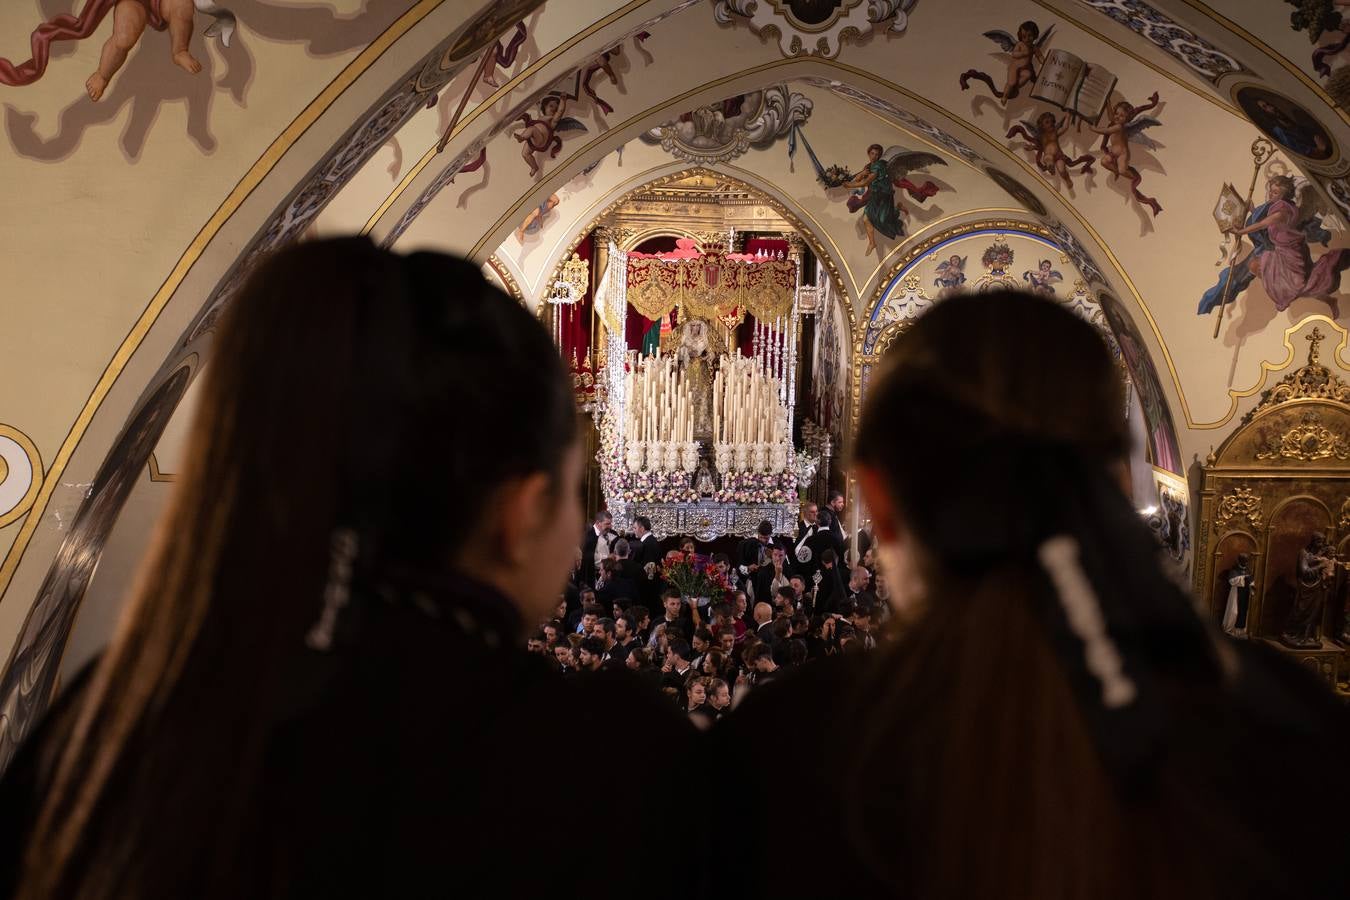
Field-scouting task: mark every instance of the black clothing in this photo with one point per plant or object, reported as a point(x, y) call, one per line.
point(648, 552)
point(762, 580)
point(617, 588)
point(1248, 760)
point(830, 522)
point(415, 762)
point(589, 540)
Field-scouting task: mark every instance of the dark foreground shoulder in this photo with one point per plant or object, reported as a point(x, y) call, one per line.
point(28, 776)
point(791, 748)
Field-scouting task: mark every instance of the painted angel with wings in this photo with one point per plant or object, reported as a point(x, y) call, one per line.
point(130, 19)
point(544, 135)
point(874, 194)
point(951, 274)
point(1123, 127)
point(1043, 278)
point(1281, 231)
point(1042, 139)
point(1023, 52)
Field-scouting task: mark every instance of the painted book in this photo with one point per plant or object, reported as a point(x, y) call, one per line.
point(1074, 85)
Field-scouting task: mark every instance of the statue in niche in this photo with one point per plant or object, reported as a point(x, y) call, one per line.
point(703, 481)
point(1239, 580)
point(696, 358)
point(1313, 572)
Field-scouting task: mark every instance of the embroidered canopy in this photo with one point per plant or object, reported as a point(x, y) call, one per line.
point(710, 285)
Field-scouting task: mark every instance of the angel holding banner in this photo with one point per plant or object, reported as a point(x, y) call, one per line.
point(875, 187)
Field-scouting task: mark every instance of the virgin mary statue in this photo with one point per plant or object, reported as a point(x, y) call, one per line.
point(696, 359)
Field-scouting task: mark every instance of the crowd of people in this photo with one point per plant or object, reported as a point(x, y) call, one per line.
point(338, 672)
point(789, 600)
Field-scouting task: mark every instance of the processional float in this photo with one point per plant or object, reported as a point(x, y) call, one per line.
point(697, 437)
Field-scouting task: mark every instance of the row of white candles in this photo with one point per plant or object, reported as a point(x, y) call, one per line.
point(658, 401)
point(746, 407)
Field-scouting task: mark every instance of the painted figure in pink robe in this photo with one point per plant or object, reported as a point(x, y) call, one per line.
point(1280, 232)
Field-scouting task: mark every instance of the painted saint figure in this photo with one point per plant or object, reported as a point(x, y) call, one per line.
point(1280, 232)
point(130, 17)
point(875, 189)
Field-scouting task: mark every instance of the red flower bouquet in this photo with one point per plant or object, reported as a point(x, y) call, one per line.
point(694, 576)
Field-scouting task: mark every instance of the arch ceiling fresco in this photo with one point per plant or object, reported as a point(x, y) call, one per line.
point(130, 218)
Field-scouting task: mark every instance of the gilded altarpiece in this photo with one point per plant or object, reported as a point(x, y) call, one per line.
point(1279, 483)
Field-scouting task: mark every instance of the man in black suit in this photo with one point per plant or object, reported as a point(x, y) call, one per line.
point(755, 552)
point(648, 558)
point(595, 546)
point(832, 520)
point(803, 551)
point(772, 575)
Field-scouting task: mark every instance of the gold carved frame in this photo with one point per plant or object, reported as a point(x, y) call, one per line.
point(1283, 474)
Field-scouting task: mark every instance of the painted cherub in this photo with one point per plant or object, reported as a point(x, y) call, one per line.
point(541, 135)
point(951, 274)
point(1043, 279)
point(1123, 127)
point(1042, 138)
point(1024, 52)
point(130, 17)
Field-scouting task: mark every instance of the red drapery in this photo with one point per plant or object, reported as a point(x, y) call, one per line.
point(774, 246)
point(637, 326)
point(576, 317)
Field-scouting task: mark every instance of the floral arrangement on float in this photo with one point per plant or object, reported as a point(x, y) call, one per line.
point(656, 487)
point(694, 576)
point(619, 482)
point(757, 487)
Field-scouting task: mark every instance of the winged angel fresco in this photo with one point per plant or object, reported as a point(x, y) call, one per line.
point(1024, 53)
point(130, 17)
point(1281, 231)
point(874, 188)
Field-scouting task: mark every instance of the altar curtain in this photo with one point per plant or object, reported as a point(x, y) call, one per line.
point(710, 284)
point(768, 245)
point(576, 317)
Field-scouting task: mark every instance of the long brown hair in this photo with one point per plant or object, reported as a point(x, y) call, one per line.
point(341, 391)
point(1013, 791)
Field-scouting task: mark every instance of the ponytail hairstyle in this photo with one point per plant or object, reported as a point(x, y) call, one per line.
point(341, 421)
point(1035, 682)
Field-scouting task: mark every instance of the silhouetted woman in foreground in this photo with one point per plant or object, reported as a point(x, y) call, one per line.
point(382, 486)
point(1055, 723)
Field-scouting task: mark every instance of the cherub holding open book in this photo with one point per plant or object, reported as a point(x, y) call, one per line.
point(1122, 127)
point(1042, 138)
point(1024, 52)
